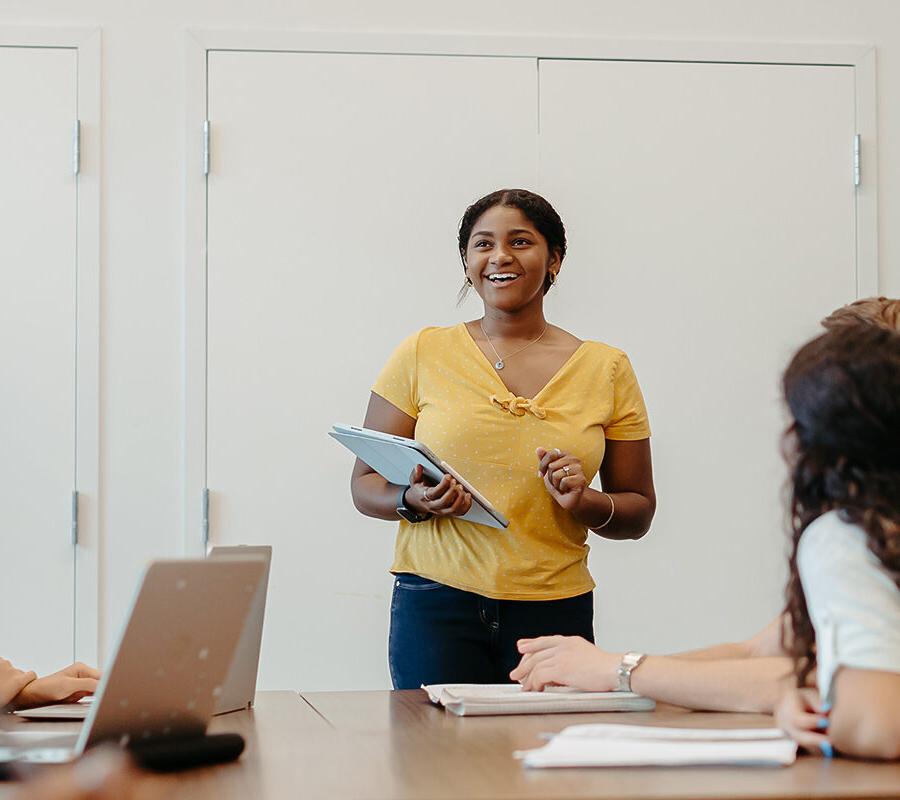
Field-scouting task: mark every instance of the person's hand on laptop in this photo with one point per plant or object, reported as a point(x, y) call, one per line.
point(12, 681)
point(68, 685)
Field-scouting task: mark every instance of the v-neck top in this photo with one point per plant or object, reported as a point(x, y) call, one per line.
point(466, 415)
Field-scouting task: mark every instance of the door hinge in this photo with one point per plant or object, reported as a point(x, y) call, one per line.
point(204, 524)
point(206, 147)
point(857, 169)
point(74, 517)
point(76, 147)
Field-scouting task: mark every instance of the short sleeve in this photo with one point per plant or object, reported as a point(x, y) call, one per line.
point(629, 416)
point(853, 602)
point(398, 381)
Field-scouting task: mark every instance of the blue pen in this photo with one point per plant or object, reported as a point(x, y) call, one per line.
point(827, 749)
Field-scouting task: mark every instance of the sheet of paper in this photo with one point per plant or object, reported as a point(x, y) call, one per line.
point(575, 751)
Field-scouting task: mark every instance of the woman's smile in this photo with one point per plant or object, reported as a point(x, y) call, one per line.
point(500, 280)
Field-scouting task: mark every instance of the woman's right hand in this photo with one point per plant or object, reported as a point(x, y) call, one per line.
point(802, 715)
point(447, 499)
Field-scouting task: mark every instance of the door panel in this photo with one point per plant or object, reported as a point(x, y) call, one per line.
point(37, 353)
point(710, 211)
point(336, 186)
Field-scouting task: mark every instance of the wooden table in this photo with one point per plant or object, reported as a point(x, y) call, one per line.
point(379, 745)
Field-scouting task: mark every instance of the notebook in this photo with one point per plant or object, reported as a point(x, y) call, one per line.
point(482, 699)
point(607, 745)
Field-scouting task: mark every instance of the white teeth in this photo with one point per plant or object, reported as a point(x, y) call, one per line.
point(502, 276)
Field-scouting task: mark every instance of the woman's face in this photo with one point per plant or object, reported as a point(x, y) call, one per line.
point(507, 259)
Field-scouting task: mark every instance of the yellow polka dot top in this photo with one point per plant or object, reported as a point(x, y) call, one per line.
point(466, 415)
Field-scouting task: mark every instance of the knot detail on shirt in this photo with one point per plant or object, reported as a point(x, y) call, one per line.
point(517, 406)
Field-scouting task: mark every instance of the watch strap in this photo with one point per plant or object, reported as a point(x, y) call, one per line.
point(407, 513)
point(630, 662)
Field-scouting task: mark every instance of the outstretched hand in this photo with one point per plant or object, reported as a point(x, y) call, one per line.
point(68, 685)
point(565, 661)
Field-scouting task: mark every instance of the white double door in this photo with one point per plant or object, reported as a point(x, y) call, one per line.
point(37, 355)
point(710, 213)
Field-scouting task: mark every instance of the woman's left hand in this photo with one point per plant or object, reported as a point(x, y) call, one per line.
point(565, 661)
point(563, 477)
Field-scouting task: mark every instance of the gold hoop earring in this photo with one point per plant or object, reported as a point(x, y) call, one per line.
point(553, 279)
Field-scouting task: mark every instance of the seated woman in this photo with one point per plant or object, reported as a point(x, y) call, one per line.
point(843, 391)
point(24, 689)
point(742, 676)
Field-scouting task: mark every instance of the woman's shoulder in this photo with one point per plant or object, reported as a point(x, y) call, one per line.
point(834, 550)
point(606, 356)
point(433, 334)
point(831, 533)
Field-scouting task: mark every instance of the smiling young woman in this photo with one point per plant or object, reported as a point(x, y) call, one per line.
point(529, 413)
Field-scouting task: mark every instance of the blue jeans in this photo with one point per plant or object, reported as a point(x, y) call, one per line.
point(444, 635)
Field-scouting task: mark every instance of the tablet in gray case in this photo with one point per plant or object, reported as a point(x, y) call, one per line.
point(395, 457)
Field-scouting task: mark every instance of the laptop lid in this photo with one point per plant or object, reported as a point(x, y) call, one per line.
point(169, 666)
point(239, 688)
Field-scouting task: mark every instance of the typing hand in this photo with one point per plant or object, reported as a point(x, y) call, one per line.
point(68, 685)
point(12, 681)
point(447, 499)
point(801, 714)
point(565, 661)
point(563, 476)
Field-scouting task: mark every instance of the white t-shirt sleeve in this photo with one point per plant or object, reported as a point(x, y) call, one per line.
point(853, 602)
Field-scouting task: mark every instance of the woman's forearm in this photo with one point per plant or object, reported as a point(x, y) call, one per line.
point(747, 685)
point(630, 520)
point(374, 496)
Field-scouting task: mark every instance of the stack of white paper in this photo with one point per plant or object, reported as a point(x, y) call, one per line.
point(471, 699)
point(635, 745)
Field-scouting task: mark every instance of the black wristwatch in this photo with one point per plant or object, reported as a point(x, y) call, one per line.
point(409, 514)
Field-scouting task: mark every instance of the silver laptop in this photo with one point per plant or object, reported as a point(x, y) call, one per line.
point(169, 666)
point(239, 688)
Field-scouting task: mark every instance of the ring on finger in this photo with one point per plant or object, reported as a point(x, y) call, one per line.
point(566, 470)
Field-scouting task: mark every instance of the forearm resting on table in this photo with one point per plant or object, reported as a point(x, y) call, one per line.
point(630, 520)
point(744, 685)
point(865, 719)
point(374, 496)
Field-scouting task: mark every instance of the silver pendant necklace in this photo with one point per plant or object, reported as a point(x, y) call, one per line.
point(499, 363)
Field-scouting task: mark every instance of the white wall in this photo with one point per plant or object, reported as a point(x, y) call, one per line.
point(142, 311)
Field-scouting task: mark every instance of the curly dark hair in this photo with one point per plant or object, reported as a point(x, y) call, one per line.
point(538, 211)
point(843, 449)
